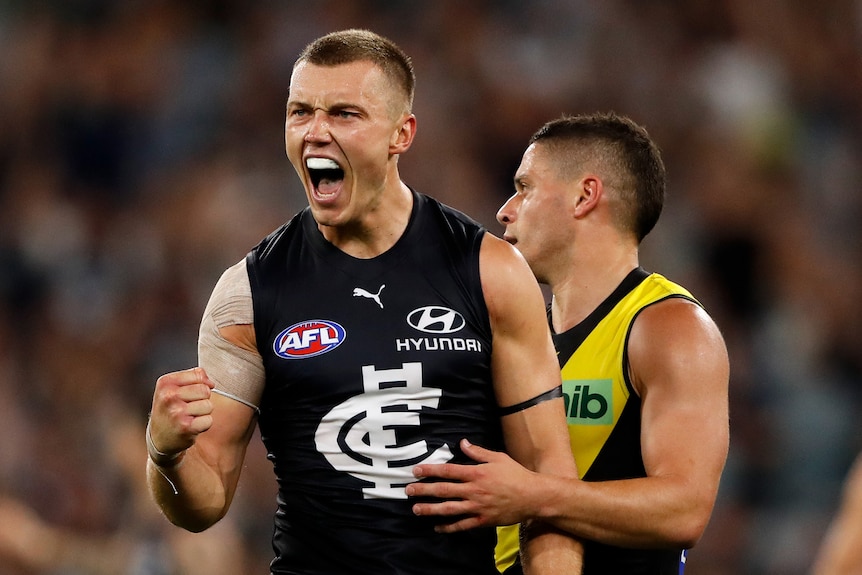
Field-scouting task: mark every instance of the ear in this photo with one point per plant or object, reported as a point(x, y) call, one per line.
point(589, 191)
point(402, 138)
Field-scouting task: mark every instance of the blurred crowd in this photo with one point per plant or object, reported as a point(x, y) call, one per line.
point(141, 153)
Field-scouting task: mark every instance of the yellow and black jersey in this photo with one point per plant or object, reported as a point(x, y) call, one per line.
point(604, 416)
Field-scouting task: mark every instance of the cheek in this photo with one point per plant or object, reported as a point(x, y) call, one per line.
point(292, 142)
point(535, 216)
point(295, 160)
point(538, 222)
point(369, 157)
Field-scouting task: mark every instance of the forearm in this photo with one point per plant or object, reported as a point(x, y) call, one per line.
point(648, 512)
point(191, 493)
point(546, 550)
point(195, 460)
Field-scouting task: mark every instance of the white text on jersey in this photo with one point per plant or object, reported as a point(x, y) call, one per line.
point(438, 344)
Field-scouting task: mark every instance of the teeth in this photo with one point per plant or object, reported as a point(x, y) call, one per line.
point(320, 164)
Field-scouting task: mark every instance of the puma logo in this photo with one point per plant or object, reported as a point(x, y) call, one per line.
point(359, 292)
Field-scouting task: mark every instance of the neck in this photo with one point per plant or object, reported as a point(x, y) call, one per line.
point(586, 285)
point(380, 228)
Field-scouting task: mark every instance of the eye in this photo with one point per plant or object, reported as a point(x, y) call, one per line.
point(345, 114)
point(296, 110)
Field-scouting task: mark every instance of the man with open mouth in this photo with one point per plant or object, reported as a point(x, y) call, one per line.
point(376, 330)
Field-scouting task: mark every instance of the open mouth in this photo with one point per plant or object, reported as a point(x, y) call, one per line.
point(325, 174)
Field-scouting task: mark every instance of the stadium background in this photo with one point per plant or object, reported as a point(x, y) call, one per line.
point(141, 153)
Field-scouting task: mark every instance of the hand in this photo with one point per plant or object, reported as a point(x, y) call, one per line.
point(181, 410)
point(495, 492)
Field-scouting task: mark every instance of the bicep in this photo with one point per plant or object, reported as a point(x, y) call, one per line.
point(524, 363)
point(228, 353)
point(239, 378)
point(222, 447)
point(679, 365)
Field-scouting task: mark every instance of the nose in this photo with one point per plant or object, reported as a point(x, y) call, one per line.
point(506, 213)
point(318, 128)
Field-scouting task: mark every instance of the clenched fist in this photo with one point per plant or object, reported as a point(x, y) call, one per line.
point(181, 410)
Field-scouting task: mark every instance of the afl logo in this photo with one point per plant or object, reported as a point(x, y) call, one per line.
point(308, 339)
point(435, 319)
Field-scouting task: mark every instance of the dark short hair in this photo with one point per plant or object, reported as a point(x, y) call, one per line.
point(625, 149)
point(354, 45)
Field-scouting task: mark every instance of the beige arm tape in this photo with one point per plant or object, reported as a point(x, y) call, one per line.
point(236, 372)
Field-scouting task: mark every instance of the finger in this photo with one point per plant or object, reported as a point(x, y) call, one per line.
point(196, 417)
point(477, 453)
point(453, 471)
point(180, 420)
point(187, 377)
point(438, 489)
point(199, 408)
point(443, 508)
point(462, 525)
point(201, 424)
point(194, 392)
point(183, 436)
point(202, 377)
point(193, 376)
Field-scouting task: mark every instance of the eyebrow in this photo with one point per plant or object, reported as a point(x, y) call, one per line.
point(337, 106)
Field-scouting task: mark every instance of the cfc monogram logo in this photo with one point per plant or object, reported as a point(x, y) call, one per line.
point(358, 436)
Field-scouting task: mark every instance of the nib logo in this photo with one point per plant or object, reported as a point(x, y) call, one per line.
point(589, 401)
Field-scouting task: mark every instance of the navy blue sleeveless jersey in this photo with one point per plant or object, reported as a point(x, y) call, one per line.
point(372, 366)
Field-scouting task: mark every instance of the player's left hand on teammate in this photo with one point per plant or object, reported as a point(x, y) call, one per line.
point(486, 494)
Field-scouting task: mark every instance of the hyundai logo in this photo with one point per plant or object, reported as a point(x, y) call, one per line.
point(435, 319)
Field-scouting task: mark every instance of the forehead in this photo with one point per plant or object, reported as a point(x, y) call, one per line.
point(359, 82)
point(535, 162)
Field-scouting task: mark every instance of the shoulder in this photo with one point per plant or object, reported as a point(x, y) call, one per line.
point(234, 280)
point(674, 319)
point(496, 251)
point(674, 336)
point(506, 277)
point(457, 222)
point(230, 301)
point(669, 312)
point(279, 237)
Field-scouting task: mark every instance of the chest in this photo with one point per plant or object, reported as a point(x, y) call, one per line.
point(332, 331)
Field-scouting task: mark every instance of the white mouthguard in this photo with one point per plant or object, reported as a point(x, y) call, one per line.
point(321, 164)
